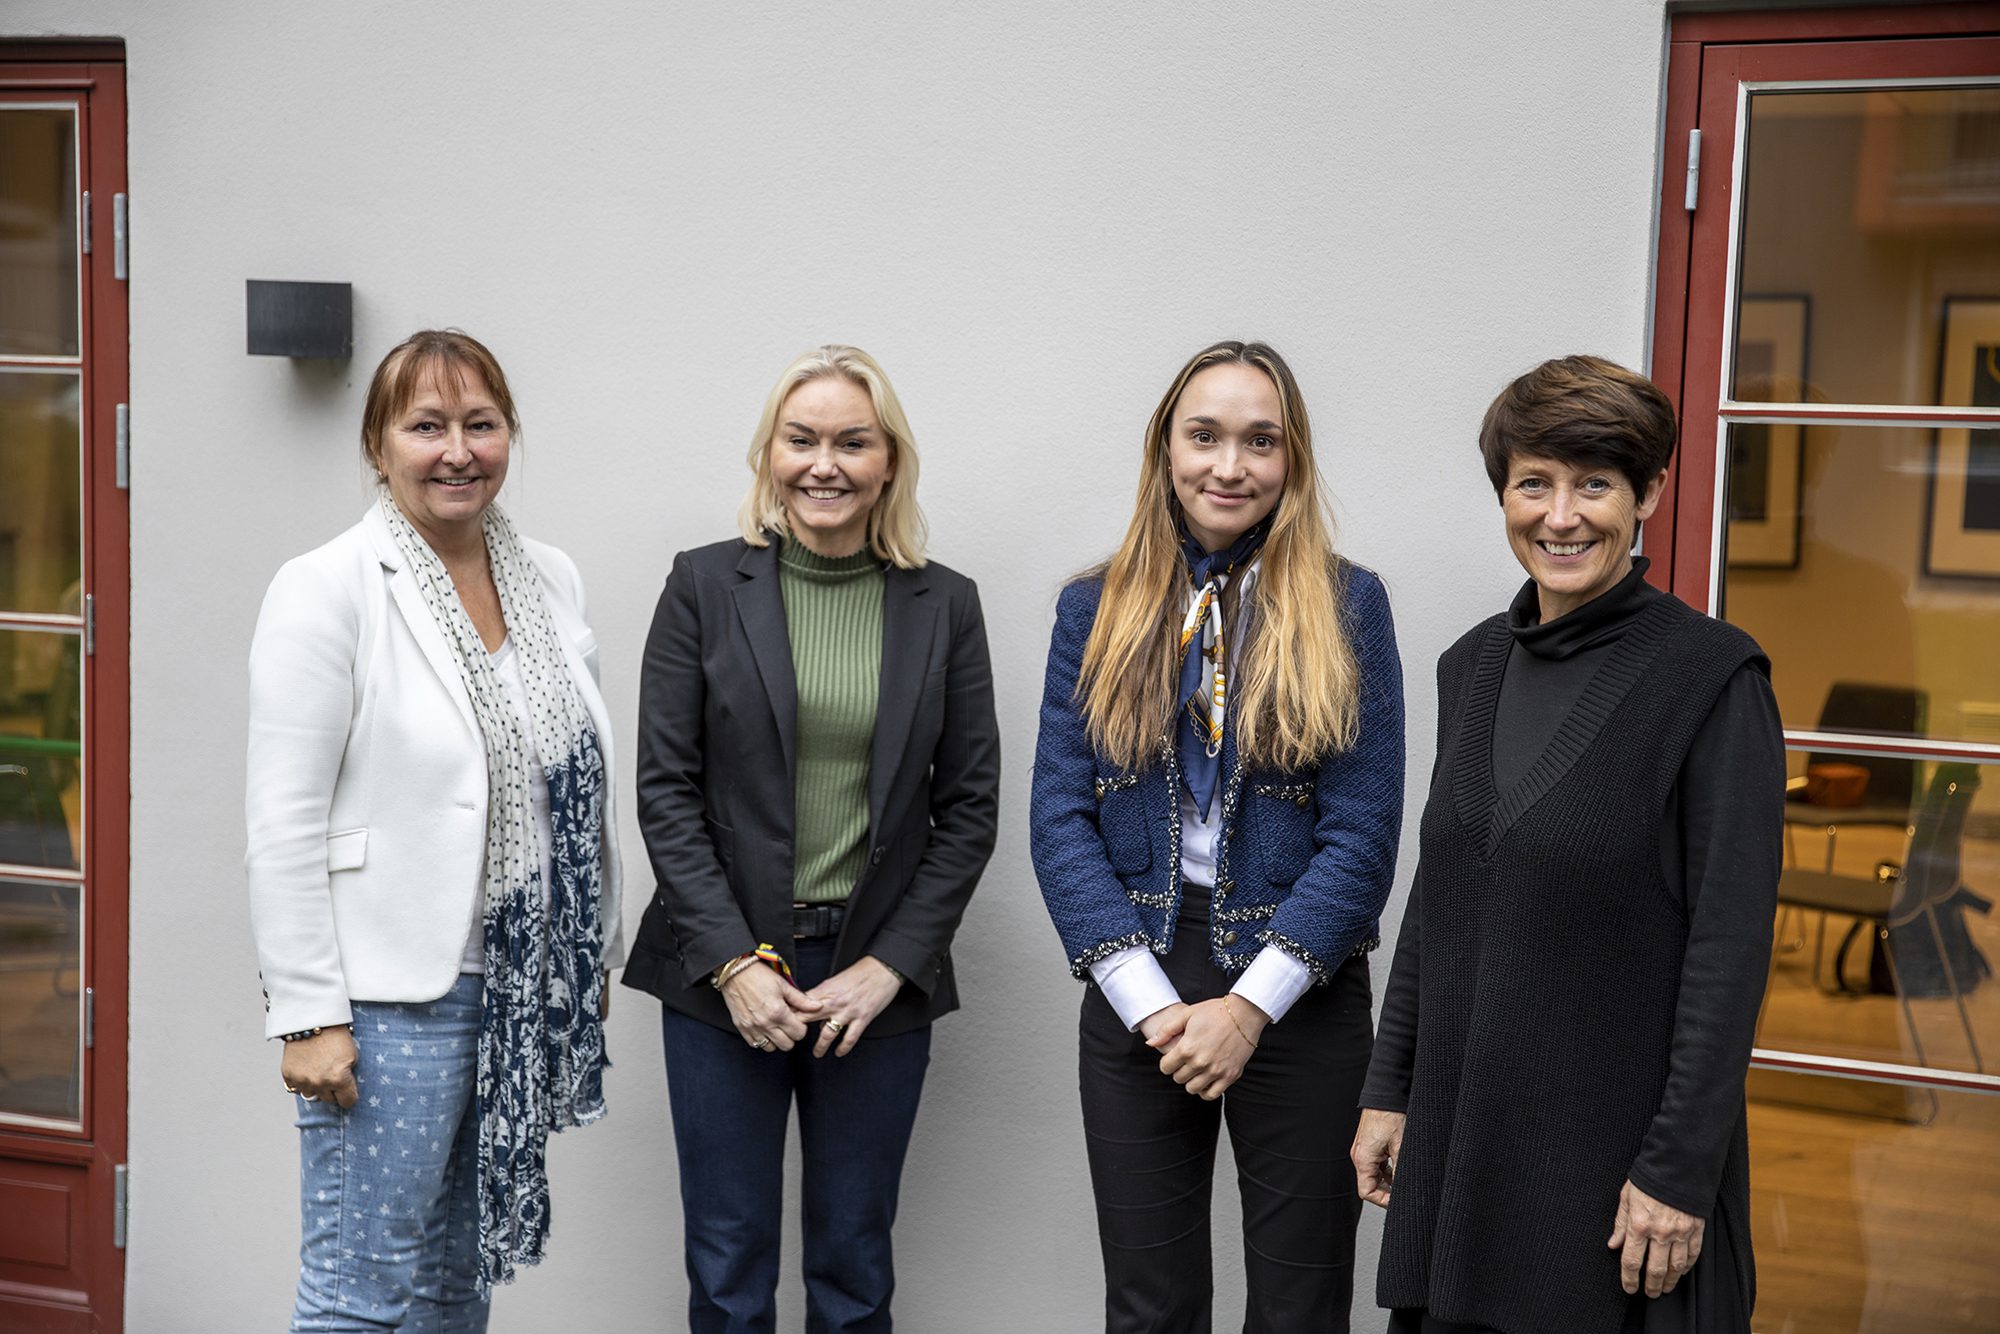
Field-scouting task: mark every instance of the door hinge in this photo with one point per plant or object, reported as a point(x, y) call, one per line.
point(1694, 168)
point(90, 1017)
point(121, 455)
point(89, 625)
point(120, 1196)
point(86, 222)
point(120, 268)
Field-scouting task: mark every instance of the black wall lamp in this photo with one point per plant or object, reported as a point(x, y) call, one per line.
point(301, 319)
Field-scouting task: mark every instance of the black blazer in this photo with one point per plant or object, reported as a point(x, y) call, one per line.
point(718, 722)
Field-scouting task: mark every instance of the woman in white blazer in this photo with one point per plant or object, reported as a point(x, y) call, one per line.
point(433, 869)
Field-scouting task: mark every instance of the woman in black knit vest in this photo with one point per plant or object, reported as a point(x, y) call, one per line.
point(1554, 1114)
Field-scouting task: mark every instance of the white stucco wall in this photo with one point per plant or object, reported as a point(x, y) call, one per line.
point(1031, 212)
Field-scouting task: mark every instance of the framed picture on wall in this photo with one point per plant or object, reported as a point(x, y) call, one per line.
point(1962, 522)
point(1766, 459)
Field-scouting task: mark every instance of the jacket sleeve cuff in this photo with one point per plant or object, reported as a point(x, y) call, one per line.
point(1273, 982)
point(915, 963)
point(704, 954)
point(1135, 984)
point(296, 1014)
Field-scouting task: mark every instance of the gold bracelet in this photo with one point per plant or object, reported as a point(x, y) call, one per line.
point(731, 969)
point(1232, 1021)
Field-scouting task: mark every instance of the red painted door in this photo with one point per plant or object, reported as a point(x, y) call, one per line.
point(1829, 323)
point(64, 672)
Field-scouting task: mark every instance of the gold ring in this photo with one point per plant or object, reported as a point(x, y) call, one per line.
point(763, 1044)
point(833, 1026)
point(290, 1089)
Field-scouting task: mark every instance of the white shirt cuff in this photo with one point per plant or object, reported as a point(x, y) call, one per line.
point(1135, 984)
point(1273, 981)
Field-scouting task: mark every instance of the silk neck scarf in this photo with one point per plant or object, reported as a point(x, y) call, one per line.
point(541, 1042)
point(1204, 680)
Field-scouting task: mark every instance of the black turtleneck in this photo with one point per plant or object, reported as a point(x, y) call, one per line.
point(1718, 832)
point(1550, 664)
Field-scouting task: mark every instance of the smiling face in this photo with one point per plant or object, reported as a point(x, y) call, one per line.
point(830, 459)
point(1572, 527)
point(1226, 452)
point(444, 457)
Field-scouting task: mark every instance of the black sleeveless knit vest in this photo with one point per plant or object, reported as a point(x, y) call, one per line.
point(1551, 962)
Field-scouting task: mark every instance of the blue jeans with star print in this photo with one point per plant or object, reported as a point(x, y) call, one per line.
point(388, 1189)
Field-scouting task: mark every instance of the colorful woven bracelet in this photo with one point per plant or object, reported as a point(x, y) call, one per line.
point(769, 954)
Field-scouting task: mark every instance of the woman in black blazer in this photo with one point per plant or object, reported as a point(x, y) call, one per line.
point(819, 767)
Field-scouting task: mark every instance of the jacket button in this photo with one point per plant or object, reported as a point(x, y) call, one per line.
point(875, 857)
point(1226, 885)
point(1305, 800)
point(1229, 937)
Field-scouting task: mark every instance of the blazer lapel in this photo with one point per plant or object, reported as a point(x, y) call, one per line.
point(417, 616)
point(909, 620)
point(761, 606)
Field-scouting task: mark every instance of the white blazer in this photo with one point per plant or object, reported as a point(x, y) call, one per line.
point(366, 795)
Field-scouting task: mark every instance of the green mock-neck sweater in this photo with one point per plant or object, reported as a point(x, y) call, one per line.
point(833, 611)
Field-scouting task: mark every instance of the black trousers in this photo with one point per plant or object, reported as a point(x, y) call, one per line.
point(1291, 1120)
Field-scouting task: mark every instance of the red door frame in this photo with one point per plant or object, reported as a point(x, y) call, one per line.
point(94, 72)
point(1708, 54)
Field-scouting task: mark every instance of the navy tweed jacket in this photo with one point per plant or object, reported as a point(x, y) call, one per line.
point(1305, 859)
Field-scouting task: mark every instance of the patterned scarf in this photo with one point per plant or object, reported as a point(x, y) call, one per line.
point(541, 1043)
point(1204, 684)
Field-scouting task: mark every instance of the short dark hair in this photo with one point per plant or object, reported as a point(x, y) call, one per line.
point(1581, 410)
point(447, 354)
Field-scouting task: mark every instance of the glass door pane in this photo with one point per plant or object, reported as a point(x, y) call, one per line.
point(1875, 1223)
point(41, 1006)
point(41, 504)
point(1828, 564)
point(41, 750)
point(39, 244)
point(1882, 205)
point(1887, 932)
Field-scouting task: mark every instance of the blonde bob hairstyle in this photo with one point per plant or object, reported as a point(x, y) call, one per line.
point(1295, 683)
point(896, 529)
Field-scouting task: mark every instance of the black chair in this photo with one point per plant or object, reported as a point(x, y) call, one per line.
point(1901, 900)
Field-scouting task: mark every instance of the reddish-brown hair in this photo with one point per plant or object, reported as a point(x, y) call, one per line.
point(447, 355)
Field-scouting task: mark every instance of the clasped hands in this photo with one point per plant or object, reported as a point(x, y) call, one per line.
point(1204, 1047)
point(771, 1012)
point(1657, 1243)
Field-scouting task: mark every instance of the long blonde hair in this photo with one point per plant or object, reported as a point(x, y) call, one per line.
point(1297, 686)
point(897, 532)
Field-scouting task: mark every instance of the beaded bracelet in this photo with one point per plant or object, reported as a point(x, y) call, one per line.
point(731, 969)
point(765, 953)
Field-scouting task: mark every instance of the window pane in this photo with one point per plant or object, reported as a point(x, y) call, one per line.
point(1871, 1223)
point(1835, 562)
point(38, 233)
point(1872, 210)
point(41, 731)
point(41, 1010)
point(41, 510)
point(1886, 931)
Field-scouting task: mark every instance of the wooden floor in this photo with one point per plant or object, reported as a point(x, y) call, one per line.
point(1875, 1210)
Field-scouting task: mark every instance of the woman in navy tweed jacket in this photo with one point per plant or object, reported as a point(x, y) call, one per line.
point(1217, 800)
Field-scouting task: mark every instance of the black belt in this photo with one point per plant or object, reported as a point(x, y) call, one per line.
point(816, 921)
